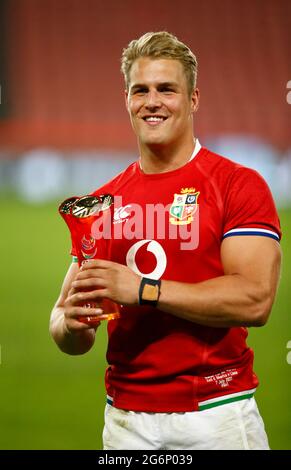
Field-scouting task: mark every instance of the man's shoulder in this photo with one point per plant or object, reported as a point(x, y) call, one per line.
point(118, 182)
point(213, 160)
point(219, 165)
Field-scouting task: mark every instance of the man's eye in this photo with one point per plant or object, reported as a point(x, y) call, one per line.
point(167, 90)
point(140, 91)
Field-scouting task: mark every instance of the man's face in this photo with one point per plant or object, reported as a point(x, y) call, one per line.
point(158, 102)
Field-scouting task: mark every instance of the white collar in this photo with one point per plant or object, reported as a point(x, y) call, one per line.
point(197, 147)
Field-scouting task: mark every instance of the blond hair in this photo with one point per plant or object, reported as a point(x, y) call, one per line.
point(160, 45)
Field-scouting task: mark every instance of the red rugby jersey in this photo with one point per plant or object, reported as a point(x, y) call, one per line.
point(159, 362)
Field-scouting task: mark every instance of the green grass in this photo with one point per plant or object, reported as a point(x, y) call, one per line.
point(53, 401)
point(270, 346)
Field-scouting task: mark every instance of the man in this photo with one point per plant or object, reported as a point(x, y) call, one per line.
point(180, 373)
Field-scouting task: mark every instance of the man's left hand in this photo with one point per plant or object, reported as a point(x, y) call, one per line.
point(101, 278)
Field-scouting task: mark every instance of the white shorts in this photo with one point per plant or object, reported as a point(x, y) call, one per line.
point(232, 426)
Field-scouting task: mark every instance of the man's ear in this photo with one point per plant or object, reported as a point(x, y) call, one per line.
point(195, 98)
point(126, 99)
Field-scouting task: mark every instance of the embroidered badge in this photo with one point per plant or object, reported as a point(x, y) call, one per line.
point(184, 206)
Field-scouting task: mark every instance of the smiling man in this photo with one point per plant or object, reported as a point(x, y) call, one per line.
point(161, 112)
point(180, 373)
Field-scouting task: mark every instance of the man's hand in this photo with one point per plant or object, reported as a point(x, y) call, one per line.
point(74, 308)
point(101, 278)
point(71, 336)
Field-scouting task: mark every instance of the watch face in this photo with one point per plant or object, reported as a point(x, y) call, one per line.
point(150, 293)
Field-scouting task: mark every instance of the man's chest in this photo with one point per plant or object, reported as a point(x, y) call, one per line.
point(167, 229)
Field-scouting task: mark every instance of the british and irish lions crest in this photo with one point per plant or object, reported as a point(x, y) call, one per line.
point(184, 206)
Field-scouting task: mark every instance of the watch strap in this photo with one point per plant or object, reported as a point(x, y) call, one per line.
point(149, 291)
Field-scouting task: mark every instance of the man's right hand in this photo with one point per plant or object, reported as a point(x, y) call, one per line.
point(77, 315)
point(71, 335)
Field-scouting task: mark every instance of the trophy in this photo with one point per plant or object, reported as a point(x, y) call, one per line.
point(81, 215)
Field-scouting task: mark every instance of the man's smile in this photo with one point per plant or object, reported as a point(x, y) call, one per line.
point(154, 119)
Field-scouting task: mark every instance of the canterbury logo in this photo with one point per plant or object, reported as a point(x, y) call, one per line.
point(121, 214)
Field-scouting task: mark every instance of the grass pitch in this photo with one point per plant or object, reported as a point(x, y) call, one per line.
point(53, 401)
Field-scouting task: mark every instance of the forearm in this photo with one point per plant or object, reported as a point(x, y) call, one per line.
point(70, 342)
point(224, 301)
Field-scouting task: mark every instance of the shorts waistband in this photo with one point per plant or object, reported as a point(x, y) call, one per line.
point(213, 402)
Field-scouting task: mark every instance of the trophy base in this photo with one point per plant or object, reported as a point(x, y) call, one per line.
point(111, 312)
point(94, 320)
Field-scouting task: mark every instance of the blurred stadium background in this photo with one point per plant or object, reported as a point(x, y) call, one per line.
point(64, 130)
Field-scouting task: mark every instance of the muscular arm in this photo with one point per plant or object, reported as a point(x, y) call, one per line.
point(71, 336)
point(242, 297)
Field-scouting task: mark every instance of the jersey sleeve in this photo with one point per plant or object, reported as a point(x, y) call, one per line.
point(249, 207)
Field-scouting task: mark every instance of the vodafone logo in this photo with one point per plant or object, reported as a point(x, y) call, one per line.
point(156, 249)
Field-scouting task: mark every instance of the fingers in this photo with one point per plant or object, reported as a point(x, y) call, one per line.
point(100, 273)
point(96, 272)
point(72, 291)
point(77, 324)
point(94, 264)
point(82, 297)
point(83, 305)
point(90, 279)
point(90, 283)
point(81, 318)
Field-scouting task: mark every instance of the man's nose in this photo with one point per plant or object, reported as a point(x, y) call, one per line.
point(153, 99)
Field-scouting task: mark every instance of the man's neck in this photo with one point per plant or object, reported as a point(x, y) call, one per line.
point(163, 159)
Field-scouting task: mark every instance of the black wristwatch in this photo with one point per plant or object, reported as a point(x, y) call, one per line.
point(149, 291)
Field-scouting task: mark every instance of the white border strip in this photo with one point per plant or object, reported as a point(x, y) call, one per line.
point(215, 400)
point(226, 397)
point(252, 230)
